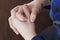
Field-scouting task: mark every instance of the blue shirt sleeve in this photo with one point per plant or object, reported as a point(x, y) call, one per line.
point(58, 30)
point(38, 37)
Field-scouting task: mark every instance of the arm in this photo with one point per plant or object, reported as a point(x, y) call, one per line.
point(44, 2)
point(28, 29)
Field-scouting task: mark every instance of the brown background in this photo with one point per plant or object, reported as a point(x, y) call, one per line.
point(43, 19)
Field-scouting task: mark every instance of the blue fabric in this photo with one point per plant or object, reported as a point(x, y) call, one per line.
point(55, 13)
point(37, 38)
point(58, 30)
point(55, 16)
point(55, 10)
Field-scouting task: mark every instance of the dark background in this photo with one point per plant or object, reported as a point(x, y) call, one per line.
point(43, 19)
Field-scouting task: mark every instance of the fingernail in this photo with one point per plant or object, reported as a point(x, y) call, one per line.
point(32, 19)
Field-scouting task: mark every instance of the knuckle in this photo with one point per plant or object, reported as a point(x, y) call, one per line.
point(12, 10)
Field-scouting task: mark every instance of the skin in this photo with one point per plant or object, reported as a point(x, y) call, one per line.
point(24, 25)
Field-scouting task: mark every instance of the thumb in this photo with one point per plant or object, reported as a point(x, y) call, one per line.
point(33, 17)
point(35, 10)
point(33, 14)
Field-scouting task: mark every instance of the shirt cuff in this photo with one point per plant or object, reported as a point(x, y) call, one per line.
point(37, 37)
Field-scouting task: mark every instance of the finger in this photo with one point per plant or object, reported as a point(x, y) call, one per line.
point(19, 14)
point(36, 9)
point(12, 27)
point(26, 11)
point(33, 15)
point(14, 11)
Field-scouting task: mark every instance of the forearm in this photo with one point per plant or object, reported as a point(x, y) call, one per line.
point(43, 2)
point(39, 3)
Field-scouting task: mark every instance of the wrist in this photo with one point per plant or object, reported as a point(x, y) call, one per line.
point(30, 36)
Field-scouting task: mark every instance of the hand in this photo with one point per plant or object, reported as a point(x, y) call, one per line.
point(25, 28)
point(33, 9)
